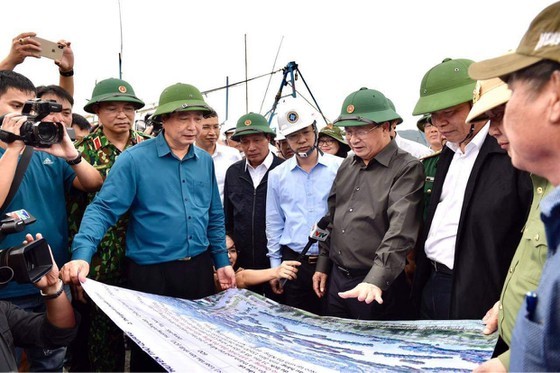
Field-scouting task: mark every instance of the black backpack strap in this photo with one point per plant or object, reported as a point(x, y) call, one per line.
point(18, 177)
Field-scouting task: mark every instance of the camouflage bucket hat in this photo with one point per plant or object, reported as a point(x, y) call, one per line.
point(181, 97)
point(113, 90)
point(445, 85)
point(250, 124)
point(334, 132)
point(363, 107)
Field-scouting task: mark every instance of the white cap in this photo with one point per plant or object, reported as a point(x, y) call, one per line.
point(294, 115)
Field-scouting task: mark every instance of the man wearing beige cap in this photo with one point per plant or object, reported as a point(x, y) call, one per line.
point(532, 124)
point(490, 98)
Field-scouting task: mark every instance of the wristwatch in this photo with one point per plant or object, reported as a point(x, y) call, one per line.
point(54, 295)
point(76, 160)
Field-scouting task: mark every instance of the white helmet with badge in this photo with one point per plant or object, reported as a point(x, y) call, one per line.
point(295, 115)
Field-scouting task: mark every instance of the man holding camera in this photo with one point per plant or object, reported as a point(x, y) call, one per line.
point(50, 173)
point(56, 327)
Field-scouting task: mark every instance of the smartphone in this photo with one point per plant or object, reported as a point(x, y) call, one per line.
point(49, 48)
point(22, 215)
point(71, 133)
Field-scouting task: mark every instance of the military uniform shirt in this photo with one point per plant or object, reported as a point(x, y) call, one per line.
point(430, 167)
point(97, 150)
point(526, 266)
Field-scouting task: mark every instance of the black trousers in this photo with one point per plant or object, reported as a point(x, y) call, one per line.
point(299, 292)
point(436, 296)
point(187, 279)
point(396, 300)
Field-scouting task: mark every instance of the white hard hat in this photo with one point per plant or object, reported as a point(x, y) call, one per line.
point(294, 115)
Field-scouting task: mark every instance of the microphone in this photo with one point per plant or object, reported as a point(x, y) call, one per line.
point(319, 232)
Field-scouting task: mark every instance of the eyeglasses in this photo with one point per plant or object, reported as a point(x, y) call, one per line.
point(326, 141)
point(496, 114)
point(358, 133)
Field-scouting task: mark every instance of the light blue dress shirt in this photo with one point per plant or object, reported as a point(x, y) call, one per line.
point(295, 201)
point(174, 205)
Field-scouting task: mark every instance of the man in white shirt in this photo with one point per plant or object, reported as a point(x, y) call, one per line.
point(223, 156)
point(477, 209)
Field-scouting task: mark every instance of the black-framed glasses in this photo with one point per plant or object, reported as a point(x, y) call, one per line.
point(326, 141)
point(358, 133)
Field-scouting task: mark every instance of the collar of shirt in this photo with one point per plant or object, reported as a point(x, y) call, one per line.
point(163, 148)
point(104, 141)
point(266, 163)
point(475, 143)
point(383, 157)
point(292, 162)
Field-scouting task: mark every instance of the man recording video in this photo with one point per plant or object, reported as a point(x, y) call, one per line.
point(56, 327)
point(51, 172)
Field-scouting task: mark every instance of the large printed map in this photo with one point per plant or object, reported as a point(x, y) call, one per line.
point(240, 331)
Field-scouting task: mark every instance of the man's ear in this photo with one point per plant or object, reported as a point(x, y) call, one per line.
point(555, 97)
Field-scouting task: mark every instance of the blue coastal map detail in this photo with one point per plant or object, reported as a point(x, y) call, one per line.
point(240, 331)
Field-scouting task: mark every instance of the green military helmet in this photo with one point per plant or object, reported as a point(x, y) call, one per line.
point(425, 119)
point(250, 124)
point(445, 85)
point(398, 117)
point(113, 90)
point(181, 97)
point(363, 107)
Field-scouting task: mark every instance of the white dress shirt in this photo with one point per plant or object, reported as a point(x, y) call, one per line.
point(224, 156)
point(414, 148)
point(257, 173)
point(440, 244)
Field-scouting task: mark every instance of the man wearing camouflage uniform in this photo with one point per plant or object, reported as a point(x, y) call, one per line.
point(115, 104)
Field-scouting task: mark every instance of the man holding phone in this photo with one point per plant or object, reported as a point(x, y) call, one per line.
point(27, 44)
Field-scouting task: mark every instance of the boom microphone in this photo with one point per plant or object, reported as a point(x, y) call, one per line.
point(318, 233)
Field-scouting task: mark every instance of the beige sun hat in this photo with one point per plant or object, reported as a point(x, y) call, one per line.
point(487, 95)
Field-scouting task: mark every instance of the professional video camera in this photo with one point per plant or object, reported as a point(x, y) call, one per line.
point(34, 132)
point(26, 263)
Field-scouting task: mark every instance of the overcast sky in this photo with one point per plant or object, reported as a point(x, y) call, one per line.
point(339, 46)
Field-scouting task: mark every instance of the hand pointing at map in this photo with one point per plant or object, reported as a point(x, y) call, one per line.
point(364, 292)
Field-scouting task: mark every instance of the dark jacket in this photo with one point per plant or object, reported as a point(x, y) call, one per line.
point(27, 329)
point(245, 213)
point(496, 204)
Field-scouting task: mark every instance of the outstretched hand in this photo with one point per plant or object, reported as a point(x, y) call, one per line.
point(364, 292)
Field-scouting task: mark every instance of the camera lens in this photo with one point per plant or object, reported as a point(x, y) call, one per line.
point(6, 273)
point(47, 132)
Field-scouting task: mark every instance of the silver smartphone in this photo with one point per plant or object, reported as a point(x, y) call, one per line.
point(49, 48)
